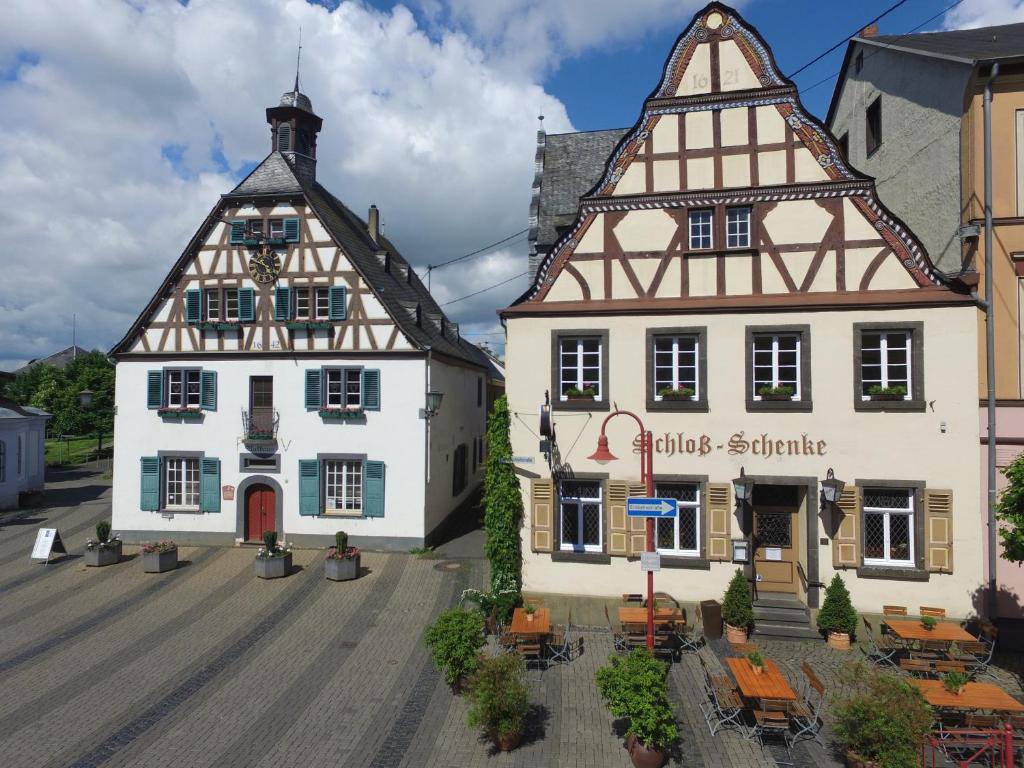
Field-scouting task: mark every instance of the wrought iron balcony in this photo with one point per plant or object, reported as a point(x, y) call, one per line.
point(259, 425)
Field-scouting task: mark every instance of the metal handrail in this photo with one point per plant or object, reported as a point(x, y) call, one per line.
point(260, 424)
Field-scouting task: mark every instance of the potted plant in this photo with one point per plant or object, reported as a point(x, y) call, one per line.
point(756, 662)
point(837, 619)
point(781, 392)
point(575, 393)
point(454, 640)
point(954, 682)
point(635, 687)
point(682, 393)
point(273, 561)
point(342, 562)
point(880, 718)
point(499, 699)
point(530, 610)
point(878, 392)
point(738, 608)
point(929, 622)
point(159, 556)
point(105, 550)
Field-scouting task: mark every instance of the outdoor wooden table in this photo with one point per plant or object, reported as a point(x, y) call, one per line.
point(769, 684)
point(633, 615)
point(975, 696)
point(541, 624)
point(945, 631)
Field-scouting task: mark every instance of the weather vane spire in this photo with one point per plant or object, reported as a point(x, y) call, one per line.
point(298, 60)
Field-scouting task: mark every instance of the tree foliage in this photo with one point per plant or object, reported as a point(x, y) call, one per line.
point(56, 391)
point(454, 640)
point(1010, 512)
point(503, 512)
point(837, 613)
point(499, 699)
point(636, 687)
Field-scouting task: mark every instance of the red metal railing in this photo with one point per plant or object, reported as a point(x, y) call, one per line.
point(964, 747)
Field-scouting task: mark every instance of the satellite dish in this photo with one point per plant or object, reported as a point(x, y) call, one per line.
point(545, 420)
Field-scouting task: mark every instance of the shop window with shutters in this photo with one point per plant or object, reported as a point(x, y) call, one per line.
point(888, 515)
point(679, 535)
point(343, 487)
point(181, 483)
point(581, 516)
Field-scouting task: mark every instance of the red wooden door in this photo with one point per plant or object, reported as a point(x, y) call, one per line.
point(260, 508)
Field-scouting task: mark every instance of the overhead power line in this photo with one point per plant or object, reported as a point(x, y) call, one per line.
point(484, 290)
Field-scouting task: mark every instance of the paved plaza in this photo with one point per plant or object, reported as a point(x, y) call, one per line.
point(209, 666)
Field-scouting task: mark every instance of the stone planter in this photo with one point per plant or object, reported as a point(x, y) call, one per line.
point(735, 634)
point(158, 562)
point(506, 742)
point(110, 554)
point(274, 567)
point(839, 641)
point(642, 756)
point(341, 570)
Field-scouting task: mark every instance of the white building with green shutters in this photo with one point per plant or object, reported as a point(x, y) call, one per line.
point(279, 377)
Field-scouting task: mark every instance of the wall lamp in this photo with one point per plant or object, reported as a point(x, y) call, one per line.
point(433, 405)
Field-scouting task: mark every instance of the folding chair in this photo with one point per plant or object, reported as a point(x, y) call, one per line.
point(532, 653)
point(932, 650)
point(892, 610)
point(806, 714)
point(945, 667)
point(880, 650)
point(618, 638)
point(630, 598)
point(560, 644)
point(725, 708)
point(938, 613)
point(663, 600)
point(691, 637)
point(772, 719)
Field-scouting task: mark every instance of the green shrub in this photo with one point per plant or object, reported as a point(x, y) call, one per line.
point(503, 515)
point(270, 541)
point(755, 658)
point(499, 699)
point(340, 541)
point(837, 613)
point(103, 531)
point(636, 687)
point(881, 717)
point(738, 603)
point(454, 640)
point(929, 622)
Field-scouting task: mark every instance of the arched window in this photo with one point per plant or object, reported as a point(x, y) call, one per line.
point(284, 137)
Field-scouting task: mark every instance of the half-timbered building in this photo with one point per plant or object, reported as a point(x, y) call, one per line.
point(286, 375)
point(720, 271)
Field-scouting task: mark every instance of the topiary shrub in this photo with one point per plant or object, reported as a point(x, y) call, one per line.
point(341, 541)
point(636, 687)
point(454, 640)
point(499, 699)
point(738, 603)
point(503, 514)
point(880, 717)
point(103, 531)
point(837, 613)
point(270, 541)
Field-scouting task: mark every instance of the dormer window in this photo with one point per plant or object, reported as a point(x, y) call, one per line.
point(284, 138)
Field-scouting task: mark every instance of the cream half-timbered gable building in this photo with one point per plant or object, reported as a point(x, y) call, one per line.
point(277, 380)
point(724, 274)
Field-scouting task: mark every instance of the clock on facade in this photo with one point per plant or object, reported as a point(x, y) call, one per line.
point(264, 265)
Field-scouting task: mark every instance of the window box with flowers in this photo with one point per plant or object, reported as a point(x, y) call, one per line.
point(879, 393)
point(273, 561)
point(180, 413)
point(159, 556)
point(342, 413)
point(780, 394)
point(575, 393)
point(105, 550)
point(682, 393)
point(342, 562)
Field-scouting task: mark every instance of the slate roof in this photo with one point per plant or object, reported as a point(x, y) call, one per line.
point(59, 359)
point(974, 45)
point(274, 176)
point(11, 410)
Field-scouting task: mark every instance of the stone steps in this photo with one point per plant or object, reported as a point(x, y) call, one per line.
point(779, 615)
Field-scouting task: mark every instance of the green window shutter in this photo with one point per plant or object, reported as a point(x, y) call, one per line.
point(314, 389)
point(154, 389)
point(150, 498)
point(373, 489)
point(193, 305)
point(337, 302)
point(209, 485)
point(291, 230)
point(309, 487)
point(282, 303)
point(237, 232)
point(246, 305)
point(208, 390)
point(370, 389)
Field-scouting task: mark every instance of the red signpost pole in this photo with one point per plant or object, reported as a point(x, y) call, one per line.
point(648, 460)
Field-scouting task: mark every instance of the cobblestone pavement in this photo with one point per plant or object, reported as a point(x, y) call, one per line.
point(209, 666)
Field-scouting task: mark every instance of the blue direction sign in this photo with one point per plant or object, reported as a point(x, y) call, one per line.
point(643, 507)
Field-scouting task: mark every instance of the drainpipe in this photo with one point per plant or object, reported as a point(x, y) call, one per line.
point(990, 361)
point(426, 447)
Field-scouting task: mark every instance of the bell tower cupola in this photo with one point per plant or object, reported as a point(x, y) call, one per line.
point(293, 131)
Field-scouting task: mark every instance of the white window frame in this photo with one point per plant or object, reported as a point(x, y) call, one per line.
point(185, 377)
point(737, 230)
point(755, 384)
point(343, 481)
point(579, 502)
point(887, 514)
point(695, 506)
point(181, 479)
point(212, 303)
point(276, 229)
point(322, 302)
point(883, 356)
point(579, 381)
point(701, 230)
point(231, 304)
point(302, 304)
point(675, 365)
point(255, 228)
point(349, 382)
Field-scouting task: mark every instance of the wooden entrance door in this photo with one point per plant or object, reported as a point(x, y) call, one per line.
point(260, 511)
point(778, 547)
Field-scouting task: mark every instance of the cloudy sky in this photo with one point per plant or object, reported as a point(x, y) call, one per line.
point(124, 120)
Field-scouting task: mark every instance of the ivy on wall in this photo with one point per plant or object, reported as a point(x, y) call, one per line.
point(503, 511)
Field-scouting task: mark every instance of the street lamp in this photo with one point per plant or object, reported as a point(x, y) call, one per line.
point(602, 455)
point(85, 400)
point(433, 405)
point(831, 488)
point(744, 487)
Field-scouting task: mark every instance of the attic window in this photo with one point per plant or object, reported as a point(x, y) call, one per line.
point(873, 126)
point(284, 137)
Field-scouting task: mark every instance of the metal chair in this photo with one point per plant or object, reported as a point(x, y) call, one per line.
point(806, 714)
point(880, 650)
point(772, 719)
point(618, 637)
point(532, 653)
point(691, 637)
point(938, 613)
point(560, 644)
point(725, 708)
point(975, 655)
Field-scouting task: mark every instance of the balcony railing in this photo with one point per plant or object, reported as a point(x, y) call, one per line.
point(260, 425)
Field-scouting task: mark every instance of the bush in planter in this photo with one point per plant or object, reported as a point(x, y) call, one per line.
point(159, 556)
point(783, 390)
point(577, 392)
point(837, 613)
point(342, 562)
point(738, 603)
point(499, 699)
point(756, 659)
point(272, 560)
point(929, 622)
point(880, 717)
point(636, 687)
point(454, 640)
point(955, 681)
point(103, 551)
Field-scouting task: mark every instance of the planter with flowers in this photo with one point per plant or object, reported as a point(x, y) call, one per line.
point(878, 392)
point(682, 393)
point(342, 413)
point(273, 561)
point(756, 662)
point(159, 556)
point(589, 392)
point(929, 622)
point(955, 682)
point(531, 611)
point(781, 393)
point(342, 563)
point(105, 550)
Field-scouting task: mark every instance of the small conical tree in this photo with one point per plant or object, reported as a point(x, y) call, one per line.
point(503, 515)
point(738, 603)
point(837, 613)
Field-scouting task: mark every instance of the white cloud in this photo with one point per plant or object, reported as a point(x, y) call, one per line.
point(984, 13)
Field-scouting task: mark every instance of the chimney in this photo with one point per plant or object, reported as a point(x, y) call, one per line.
point(373, 224)
point(871, 30)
